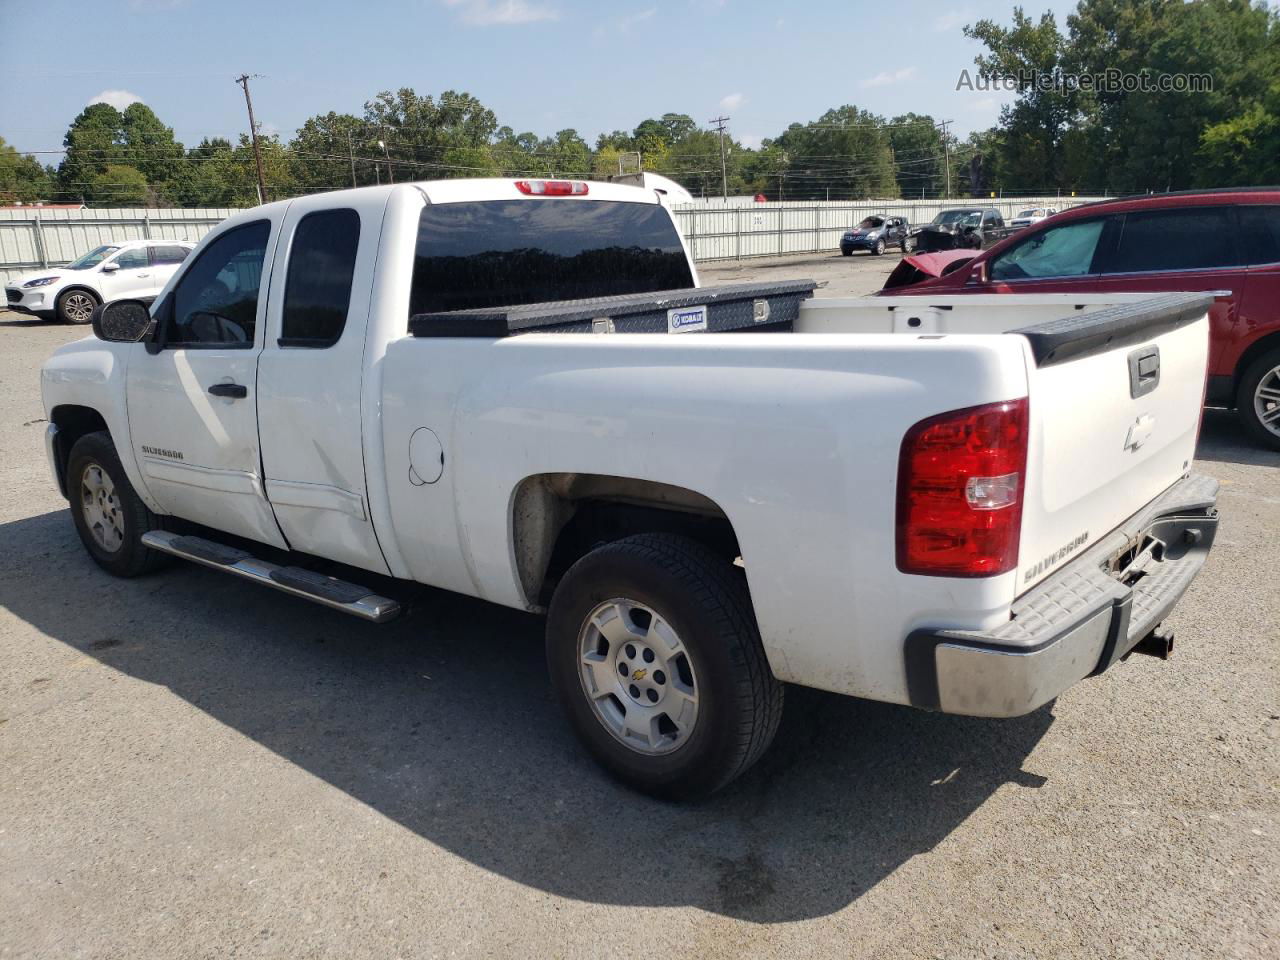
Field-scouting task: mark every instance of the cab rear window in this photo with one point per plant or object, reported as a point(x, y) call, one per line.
point(506, 252)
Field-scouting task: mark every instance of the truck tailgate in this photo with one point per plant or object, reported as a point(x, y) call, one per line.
point(1115, 406)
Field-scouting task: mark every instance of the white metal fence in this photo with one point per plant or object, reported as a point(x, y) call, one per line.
point(719, 231)
point(34, 237)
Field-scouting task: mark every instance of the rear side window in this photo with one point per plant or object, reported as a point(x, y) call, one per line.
point(216, 301)
point(1065, 251)
point(132, 259)
point(167, 254)
point(1260, 233)
point(507, 252)
point(1196, 238)
point(317, 291)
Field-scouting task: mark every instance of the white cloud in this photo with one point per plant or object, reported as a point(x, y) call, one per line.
point(488, 13)
point(886, 78)
point(732, 101)
point(117, 98)
point(750, 140)
point(985, 105)
point(949, 21)
point(627, 22)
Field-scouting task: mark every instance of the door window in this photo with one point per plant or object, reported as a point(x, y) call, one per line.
point(1065, 251)
point(216, 301)
point(317, 292)
point(132, 259)
point(1195, 238)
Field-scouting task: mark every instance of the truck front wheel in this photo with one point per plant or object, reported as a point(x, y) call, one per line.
point(654, 651)
point(108, 514)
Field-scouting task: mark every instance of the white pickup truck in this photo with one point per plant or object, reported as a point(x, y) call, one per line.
point(964, 504)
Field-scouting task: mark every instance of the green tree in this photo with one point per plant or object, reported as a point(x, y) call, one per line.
point(324, 150)
point(919, 155)
point(150, 147)
point(844, 154)
point(1034, 125)
point(93, 142)
point(22, 177)
point(118, 185)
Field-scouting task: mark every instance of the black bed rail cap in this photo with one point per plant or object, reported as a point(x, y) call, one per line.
point(1125, 324)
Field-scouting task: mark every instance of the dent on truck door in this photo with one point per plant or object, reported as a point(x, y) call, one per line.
point(192, 411)
point(310, 380)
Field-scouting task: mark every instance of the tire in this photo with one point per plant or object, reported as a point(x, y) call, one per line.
point(108, 514)
point(76, 306)
point(847, 251)
point(672, 597)
point(878, 248)
point(1258, 397)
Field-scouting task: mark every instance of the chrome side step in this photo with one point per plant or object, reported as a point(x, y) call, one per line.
point(329, 591)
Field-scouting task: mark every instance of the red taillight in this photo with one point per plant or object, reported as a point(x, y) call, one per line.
point(552, 188)
point(960, 482)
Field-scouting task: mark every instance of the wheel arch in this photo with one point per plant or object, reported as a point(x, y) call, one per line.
point(73, 422)
point(556, 518)
point(72, 288)
point(1265, 343)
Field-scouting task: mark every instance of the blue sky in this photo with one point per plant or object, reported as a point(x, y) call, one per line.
point(541, 65)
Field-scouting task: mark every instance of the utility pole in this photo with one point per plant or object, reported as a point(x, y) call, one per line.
point(351, 153)
point(946, 146)
point(386, 152)
point(719, 123)
point(243, 80)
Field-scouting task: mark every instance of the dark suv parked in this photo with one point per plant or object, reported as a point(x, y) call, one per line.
point(1219, 240)
point(964, 227)
point(875, 234)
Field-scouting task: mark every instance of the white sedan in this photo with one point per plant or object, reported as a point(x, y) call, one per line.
point(135, 269)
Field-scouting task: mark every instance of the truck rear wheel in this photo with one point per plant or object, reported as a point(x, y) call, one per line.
point(108, 514)
point(1258, 399)
point(654, 652)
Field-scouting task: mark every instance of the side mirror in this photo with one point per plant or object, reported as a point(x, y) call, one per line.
point(111, 267)
point(121, 321)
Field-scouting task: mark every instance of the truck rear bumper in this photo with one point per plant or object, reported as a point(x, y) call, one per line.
point(1079, 621)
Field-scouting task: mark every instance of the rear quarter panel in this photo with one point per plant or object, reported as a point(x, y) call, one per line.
point(796, 438)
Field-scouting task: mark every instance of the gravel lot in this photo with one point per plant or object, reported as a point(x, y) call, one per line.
point(190, 766)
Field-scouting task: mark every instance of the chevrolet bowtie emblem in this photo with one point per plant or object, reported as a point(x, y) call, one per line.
point(639, 674)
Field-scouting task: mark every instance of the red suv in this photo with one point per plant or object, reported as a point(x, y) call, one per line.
point(1226, 240)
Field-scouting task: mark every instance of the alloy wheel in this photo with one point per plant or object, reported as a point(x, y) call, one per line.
point(637, 676)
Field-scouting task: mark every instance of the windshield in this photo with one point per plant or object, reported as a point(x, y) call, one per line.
point(1028, 214)
point(505, 252)
point(92, 258)
point(871, 223)
point(958, 216)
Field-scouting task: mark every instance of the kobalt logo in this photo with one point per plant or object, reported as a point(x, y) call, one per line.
point(161, 452)
point(685, 319)
point(1058, 555)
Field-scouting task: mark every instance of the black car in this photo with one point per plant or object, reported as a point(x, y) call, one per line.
point(975, 228)
point(875, 233)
